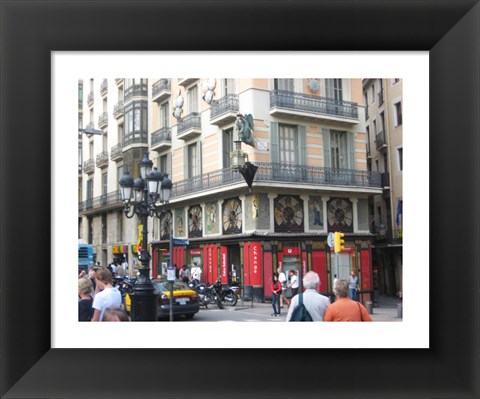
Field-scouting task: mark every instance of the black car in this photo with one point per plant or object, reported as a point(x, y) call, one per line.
point(185, 301)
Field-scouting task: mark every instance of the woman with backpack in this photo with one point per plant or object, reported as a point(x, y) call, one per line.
point(277, 291)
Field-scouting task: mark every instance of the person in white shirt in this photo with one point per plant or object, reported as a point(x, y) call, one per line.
point(108, 297)
point(315, 303)
point(283, 280)
point(196, 274)
point(293, 282)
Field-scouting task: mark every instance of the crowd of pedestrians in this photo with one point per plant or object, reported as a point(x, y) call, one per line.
point(98, 299)
point(344, 308)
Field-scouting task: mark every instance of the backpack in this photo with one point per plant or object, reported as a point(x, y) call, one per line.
point(300, 313)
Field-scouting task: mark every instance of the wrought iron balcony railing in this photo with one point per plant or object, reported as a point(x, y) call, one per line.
point(136, 137)
point(104, 87)
point(161, 135)
point(224, 106)
point(136, 90)
point(102, 159)
point(161, 89)
point(89, 166)
point(192, 121)
point(111, 199)
point(281, 173)
point(103, 120)
point(90, 98)
point(314, 105)
point(118, 110)
point(116, 152)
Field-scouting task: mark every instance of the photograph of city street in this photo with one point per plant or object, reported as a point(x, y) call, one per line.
point(235, 199)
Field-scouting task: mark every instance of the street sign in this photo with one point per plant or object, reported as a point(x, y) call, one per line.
point(171, 273)
point(331, 240)
point(177, 241)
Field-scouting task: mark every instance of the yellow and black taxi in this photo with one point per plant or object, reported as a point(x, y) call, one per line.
point(185, 301)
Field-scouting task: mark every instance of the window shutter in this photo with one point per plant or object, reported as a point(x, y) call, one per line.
point(327, 162)
point(350, 151)
point(274, 148)
point(302, 145)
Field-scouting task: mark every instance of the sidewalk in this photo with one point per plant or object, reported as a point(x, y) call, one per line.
point(385, 310)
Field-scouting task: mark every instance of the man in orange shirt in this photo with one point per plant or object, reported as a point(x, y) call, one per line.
point(344, 309)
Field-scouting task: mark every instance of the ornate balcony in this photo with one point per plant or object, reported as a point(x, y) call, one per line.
point(224, 110)
point(116, 152)
point(118, 110)
point(101, 203)
point(102, 159)
point(186, 81)
point(137, 90)
point(299, 105)
point(103, 120)
point(278, 173)
point(161, 90)
point(89, 166)
point(104, 87)
point(190, 126)
point(90, 99)
point(161, 139)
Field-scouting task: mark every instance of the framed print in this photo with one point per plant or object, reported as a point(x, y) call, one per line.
point(31, 32)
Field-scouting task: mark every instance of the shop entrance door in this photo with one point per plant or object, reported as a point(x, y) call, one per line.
point(290, 263)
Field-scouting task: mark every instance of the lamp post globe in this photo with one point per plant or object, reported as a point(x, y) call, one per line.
point(145, 166)
point(126, 185)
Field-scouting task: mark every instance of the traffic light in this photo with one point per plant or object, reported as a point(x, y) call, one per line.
point(339, 242)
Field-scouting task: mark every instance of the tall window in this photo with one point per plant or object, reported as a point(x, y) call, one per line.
point(382, 122)
point(164, 164)
point(283, 84)
point(228, 86)
point(334, 89)
point(119, 172)
point(398, 113)
point(192, 99)
point(227, 147)
point(104, 228)
point(192, 160)
point(164, 115)
point(105, 142)
point(193, 151)
point(400, 158)
point(90, 147)
point(135, 127)
point(104, 183)
point(338, 150)
point(120, 134)
point(288, 144)
point(373, 93)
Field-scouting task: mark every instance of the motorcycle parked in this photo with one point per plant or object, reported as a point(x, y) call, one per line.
point(227, 295)
point(206, 294)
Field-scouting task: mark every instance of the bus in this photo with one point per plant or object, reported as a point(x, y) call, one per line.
point(86, 257)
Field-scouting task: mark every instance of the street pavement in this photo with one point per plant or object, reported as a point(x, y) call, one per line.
point(385, 310)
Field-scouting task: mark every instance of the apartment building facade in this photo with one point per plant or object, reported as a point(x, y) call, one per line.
point(309, 144)
point(384, 124)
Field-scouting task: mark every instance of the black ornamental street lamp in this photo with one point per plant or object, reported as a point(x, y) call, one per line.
point(140, 197)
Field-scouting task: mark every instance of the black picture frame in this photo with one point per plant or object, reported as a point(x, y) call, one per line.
point(448, 30)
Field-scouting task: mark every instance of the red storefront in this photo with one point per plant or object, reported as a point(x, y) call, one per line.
point(253, 262)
